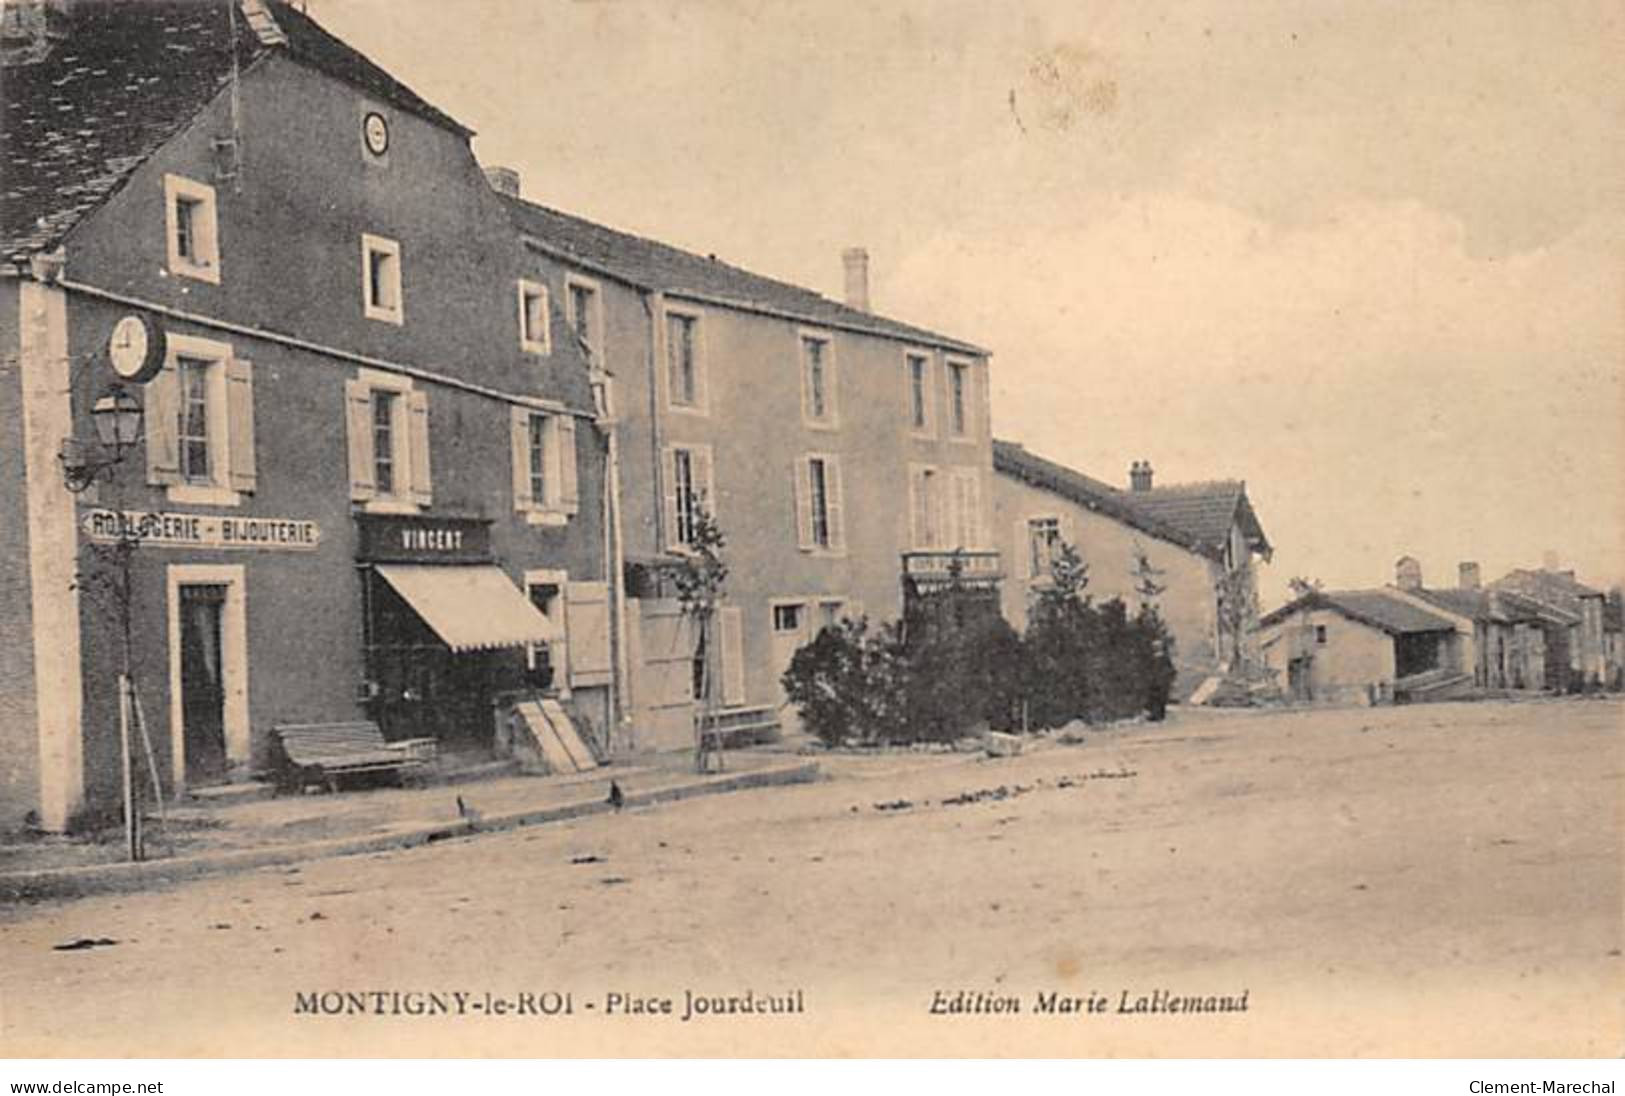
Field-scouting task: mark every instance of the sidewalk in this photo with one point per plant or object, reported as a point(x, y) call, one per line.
point(238, 837)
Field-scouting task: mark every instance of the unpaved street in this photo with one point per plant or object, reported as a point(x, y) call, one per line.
point(1431, 880)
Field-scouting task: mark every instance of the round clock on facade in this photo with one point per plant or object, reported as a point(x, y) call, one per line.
point(136, 348)
point(375, 131)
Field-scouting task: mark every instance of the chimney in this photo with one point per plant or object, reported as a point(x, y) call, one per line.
point(1408, 574)
point(1550, 561)
point(503, 180)
point(1469, 575)
point(1139, 475)
point(856, 261)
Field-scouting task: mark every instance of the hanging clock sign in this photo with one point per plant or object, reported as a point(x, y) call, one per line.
point(137, 348)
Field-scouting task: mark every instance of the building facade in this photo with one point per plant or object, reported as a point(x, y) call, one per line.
point(842, 454)
point(1187, 551)
point(369, 433)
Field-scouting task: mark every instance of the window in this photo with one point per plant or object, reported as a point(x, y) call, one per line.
point(534, 333)
point(830, 613)
point(958, 413)
point(964, 524)
point(381, 279)
point(688, 492)
point(685, 381)
point(1043, 534)
point(544, 466)
point(817, 380)
point(384, 439)
point(191, 223)
point(924, 507)
point(818, 504)
point(549, 663)
point(586, 316)
point(1320, 634)
point(200, 423)
point(787, 618)
point(387, 422)
point(919, 392)
point(192, 428)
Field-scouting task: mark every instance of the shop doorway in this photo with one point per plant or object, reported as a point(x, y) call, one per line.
point(208, 673)
point(203, 682)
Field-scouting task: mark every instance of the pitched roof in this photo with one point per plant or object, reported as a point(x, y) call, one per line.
point(119, 80)
point(650, 264)
point(1381, 609)
point(1480, 604)
point(1205, 511)
point(1015, 460)
point(1556, 588)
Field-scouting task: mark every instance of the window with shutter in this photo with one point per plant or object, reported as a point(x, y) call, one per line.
point(387, 423)
point(199, 419)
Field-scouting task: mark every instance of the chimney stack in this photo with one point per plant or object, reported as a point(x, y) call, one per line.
point(1469, 575)
point(503, 180)
point(1139, 475)
point(856, 261)
point(1408, 573)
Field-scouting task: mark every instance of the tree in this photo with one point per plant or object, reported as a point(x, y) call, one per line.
point(1237, 611)
point(700, 582)
point(1147, 584)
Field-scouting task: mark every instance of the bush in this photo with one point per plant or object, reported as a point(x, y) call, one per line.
point(893, 684)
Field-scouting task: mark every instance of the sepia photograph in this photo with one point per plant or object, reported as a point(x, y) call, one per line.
point(633, 529)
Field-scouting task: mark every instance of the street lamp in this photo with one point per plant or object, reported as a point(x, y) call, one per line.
point(117, 416)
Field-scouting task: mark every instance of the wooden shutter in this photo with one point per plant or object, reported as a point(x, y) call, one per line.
point(519, 446)
point(801, 483)
point(161, 418)
point(731, 624)
point(588, 626)
point(700, 464)
point(948, 523)
point(918, 519)
point(668, 508)
point(971, 508)
point(835, 510)
point(569, 490)
point(241, 467)
point(422, 488)
point(358, 423)
point(1021, 549)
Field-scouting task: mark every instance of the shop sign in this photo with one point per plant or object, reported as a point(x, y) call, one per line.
point(172, 530)
point(402, 538)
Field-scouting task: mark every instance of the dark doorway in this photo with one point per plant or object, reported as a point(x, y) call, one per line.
point(1417, 653)
point(203, 685)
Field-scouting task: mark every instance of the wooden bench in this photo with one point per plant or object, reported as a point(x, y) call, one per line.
point(320, 753)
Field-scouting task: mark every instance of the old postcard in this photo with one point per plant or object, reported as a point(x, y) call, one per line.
point(674, 528)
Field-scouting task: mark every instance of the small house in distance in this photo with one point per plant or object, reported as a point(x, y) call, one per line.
point(1183, 539)
point(1354, 646)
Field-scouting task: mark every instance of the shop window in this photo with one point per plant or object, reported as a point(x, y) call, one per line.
point(200, 423)
point(192, 229)
point(381, 279)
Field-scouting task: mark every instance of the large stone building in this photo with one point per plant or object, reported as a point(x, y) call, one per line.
point(368, 431)
point(843, 454)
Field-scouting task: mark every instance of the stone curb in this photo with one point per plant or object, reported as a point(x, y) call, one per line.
point(96, 878)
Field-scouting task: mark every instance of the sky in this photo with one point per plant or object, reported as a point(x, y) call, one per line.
point(1368, 257)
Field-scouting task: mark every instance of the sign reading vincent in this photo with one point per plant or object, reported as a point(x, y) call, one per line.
point(171, 530)
point(413, 538)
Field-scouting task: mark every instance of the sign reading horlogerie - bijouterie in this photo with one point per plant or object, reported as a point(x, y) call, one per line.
point(171, 530)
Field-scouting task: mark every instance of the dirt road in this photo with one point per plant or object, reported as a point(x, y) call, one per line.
point(1413, 881)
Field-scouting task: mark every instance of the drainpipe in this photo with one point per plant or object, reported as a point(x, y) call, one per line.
point(615, 558)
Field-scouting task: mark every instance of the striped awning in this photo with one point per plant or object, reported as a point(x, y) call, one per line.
point(471, 608)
